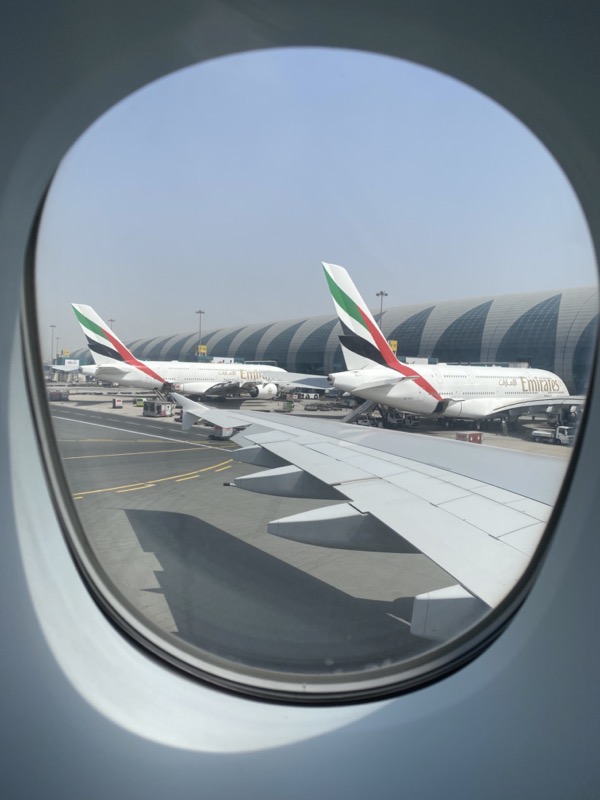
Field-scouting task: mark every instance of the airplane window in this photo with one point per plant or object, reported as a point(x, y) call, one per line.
point(243, 503)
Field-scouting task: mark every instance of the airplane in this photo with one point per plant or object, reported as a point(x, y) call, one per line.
point(88, 710)
point(114, 362)
point(479, 522)
point(442, 390)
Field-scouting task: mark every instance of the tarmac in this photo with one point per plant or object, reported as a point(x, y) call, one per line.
point(193, 556)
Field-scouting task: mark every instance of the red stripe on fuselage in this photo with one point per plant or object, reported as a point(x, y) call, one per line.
point(130, 359)
point(393, 363)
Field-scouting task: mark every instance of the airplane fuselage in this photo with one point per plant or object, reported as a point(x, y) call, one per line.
point(451, 391)
point(188, 377)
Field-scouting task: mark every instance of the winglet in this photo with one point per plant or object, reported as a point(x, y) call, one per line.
point(193, 411)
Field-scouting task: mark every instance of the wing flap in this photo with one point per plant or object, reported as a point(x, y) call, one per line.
point(320, 466)
point(289, 481)
point(340, 526)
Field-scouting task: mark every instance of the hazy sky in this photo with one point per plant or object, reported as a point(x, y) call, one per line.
point(223, 187)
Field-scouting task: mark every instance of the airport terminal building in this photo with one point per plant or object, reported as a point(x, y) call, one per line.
point(554, 330)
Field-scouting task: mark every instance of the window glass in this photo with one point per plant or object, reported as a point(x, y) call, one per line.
point(345, 540)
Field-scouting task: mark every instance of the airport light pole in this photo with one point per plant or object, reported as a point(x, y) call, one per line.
point(199, 312)
point(111, 323)
point(381, 295)
point(52, 327)
point(57, 341)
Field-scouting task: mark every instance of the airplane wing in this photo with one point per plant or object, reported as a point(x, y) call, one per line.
point(477, 511)
point(300, 380)
point(219, 389)
point(204, 388)
point(65, 367)
point(110, 373)
point(571, 402)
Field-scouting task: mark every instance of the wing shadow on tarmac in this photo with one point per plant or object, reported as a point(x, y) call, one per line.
point(236, 601)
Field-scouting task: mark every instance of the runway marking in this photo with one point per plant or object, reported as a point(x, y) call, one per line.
point(135, 488)
point(222, 468)
point(98, 439)
point(138, 433)
point(141, 453)
point(148, 484)
point(95, 439)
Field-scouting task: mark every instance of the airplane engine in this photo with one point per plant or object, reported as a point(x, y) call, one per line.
point(264, 390)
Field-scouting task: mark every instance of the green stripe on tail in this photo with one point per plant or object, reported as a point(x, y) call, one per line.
point(343, 301)
point(87, 323)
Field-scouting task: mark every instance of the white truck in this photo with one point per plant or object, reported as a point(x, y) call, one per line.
point(561, 434)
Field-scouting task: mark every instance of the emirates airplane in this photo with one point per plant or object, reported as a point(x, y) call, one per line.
point(447, 390)
point(116, 363)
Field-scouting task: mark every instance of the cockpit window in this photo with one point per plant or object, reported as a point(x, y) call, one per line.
point(253, 503)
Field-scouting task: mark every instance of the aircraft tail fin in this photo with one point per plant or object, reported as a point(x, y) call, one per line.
point(105, 346)
point(363, 343)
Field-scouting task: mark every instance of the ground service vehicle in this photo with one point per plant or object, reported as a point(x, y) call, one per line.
point(561, 434)
point(393, 418)
point(88, 713)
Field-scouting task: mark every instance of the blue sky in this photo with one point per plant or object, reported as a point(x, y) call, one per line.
point(224, 186)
